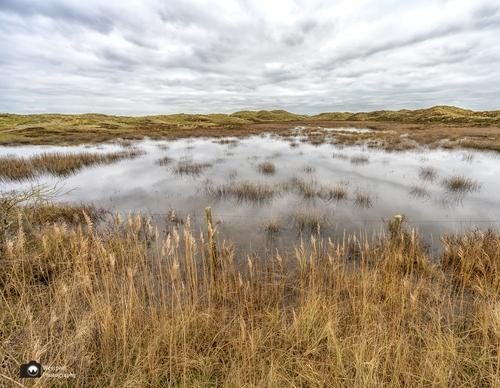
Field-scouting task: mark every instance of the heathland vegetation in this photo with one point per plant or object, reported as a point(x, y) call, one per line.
point(128, 305)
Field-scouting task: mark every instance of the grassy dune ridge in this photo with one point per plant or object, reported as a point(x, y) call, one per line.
point(62, 128)
point(124, 306)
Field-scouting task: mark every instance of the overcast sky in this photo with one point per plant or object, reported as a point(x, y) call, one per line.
point(307, 56)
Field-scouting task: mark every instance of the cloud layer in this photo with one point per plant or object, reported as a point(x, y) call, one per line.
point(307, 56)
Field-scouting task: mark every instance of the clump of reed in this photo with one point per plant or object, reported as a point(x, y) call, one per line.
point(418, 191)
point(309, 169)
point(243, 191)
point(338, 155)
point(124, 305)
point(336, 193)
point(308, 221)
point(190, 167)
point(60, 164)
point(427, 173)
point(164, 161)
point(459, 184)
point(307, 190)
point(266, 168)
point(359, 160)
point(271, 228)
point(363, 199)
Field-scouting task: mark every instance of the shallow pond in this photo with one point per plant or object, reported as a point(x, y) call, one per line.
point(341, 189)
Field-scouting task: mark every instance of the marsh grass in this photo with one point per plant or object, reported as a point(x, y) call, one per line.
point(427, 173)
point(271, 228)
point(123, 306)
point(359, 160)
point(336, 193)
point(338, 155)
point(190, 167)
point(164, 161)
point(243, 191)
point(308, 190)
point(59, 164)
point(363, 199)
point(266, 168)
point(309, 169)
point(306, 221)
point(459, 184)
point(419, 192)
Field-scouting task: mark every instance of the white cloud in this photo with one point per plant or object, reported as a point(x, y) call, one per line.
point(141, 57)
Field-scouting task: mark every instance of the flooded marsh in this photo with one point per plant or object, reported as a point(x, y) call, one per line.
point(305, 189)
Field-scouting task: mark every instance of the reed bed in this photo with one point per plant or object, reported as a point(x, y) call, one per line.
point(59, 164)
point(125, 306)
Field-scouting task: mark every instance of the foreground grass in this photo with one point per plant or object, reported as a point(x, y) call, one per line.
point(60, 164)
point(123, 306)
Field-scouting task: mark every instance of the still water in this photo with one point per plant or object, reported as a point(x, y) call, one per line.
point(392, 180)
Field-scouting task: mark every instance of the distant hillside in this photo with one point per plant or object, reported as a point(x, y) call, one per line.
point(443, 114)
point(268, 115)
point(436, 114)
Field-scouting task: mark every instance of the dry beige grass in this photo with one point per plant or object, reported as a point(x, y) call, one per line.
point(122, 306)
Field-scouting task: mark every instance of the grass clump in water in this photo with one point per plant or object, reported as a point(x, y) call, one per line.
point(359, 160)
point(427, 173)
point(459, 184)
point(164, 161)
point(243, 191)
point(307, 190)
point(419, 192)
point(336, 193)
point(60, 164)
point(308, 221)
point(190, 167)
point(363, 199)
point(267, 168)
point(272, 228)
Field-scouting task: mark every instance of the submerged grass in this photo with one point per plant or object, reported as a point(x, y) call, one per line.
point(124, 306)
point(60, 164)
